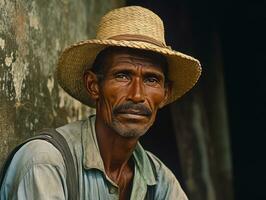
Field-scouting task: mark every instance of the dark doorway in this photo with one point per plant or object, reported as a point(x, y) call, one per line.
point(241, 27)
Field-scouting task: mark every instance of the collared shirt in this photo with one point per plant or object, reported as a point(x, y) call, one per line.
point(37, 171)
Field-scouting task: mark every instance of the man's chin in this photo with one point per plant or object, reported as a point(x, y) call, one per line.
point(130, 130)
point(131, 134)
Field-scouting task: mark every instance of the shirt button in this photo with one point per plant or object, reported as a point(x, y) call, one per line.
point(112, 190)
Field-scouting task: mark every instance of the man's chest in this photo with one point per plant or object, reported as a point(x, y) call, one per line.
point(94, 184)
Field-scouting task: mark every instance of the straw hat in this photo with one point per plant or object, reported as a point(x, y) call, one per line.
point(133, 27)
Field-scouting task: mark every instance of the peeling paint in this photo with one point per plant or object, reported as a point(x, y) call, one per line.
point(50, 84)
point(9, 60)
point(18, 23)
point(19, 72)
point(34, 21)
point(57, 45)
point(76, 111)
point(2, 43)
point(66, 102)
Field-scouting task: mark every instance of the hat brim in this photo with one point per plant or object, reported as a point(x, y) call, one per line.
point(184, 71)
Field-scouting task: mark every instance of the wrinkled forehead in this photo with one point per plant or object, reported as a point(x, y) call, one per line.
point(134, 56)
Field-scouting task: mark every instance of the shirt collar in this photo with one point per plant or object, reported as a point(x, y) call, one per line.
point(92, 158)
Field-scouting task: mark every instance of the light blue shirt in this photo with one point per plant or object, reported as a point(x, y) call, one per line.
point(38, 172)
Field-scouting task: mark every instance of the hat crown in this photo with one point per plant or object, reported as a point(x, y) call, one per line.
point(132, 21)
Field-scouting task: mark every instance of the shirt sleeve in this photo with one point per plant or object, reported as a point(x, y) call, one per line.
point(37, 171)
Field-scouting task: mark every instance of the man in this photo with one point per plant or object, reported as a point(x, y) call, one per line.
point(127, 73)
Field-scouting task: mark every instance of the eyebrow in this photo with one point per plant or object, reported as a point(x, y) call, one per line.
point(159, 74)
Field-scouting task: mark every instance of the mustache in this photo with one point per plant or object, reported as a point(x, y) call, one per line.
point(127, 107)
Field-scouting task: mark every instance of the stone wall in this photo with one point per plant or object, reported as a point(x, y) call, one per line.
point(32, 34)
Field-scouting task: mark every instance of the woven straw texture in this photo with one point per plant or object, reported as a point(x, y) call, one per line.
point(133, 27)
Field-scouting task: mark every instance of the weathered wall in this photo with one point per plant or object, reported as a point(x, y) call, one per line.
point(32, 34)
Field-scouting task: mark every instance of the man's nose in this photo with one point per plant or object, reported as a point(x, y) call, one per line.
point(136, 91)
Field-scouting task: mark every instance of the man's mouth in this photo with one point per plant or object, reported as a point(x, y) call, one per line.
point(132, 116)
point(133, 112)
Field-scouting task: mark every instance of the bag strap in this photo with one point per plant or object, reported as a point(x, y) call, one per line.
point(56, 139)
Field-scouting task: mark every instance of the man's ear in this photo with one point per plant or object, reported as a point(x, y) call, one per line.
point(167, 94)
point(91, 84)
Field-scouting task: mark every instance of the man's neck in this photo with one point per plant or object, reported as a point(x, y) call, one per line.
point(115, 150)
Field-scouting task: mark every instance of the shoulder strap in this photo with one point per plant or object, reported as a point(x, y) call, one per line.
point(55, 138)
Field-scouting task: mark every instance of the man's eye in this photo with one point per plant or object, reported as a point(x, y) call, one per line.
point(152, 81)
point(121, 77)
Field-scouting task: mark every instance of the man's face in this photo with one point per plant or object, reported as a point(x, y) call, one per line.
point(131, 92)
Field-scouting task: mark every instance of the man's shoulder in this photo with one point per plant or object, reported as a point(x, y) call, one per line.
point(42, 152)
point(36, 153)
